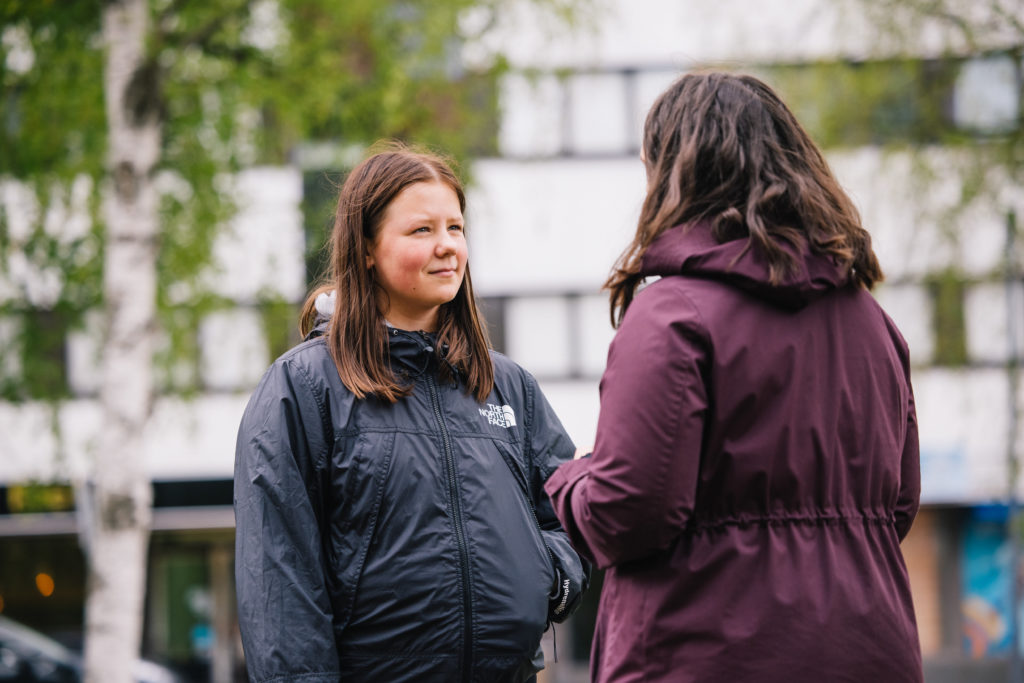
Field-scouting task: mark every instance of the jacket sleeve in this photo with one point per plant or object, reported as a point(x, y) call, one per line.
point(635, 494)
point(549, 446)
point(284, 610)
point(910, 476)
point(910, 469)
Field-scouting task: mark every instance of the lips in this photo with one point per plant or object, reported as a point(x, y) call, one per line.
point(444, 272)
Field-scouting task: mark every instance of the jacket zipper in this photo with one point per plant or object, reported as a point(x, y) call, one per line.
point(460, 534)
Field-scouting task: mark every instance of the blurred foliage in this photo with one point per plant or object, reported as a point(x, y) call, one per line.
point(921, 48)
point(280, 326)
point(959, 26)
point(882, 102)
point(950, 33)
point(319, 197)
point(947, 291)
point(40, 497)
point(238, 83)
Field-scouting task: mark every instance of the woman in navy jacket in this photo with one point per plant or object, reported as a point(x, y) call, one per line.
point(756, 463)
point(391, 520)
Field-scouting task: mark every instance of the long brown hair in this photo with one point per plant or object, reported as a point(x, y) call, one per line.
point(357, 335)
point(725, 149)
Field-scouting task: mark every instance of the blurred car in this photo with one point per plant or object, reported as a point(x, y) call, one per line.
point(27, 656)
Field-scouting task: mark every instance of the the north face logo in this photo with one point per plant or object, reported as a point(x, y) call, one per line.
point(502, 416)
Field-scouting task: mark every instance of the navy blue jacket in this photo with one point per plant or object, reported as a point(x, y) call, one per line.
point(398, 542)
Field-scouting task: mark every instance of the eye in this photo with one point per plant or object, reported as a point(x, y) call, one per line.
point(456, 227)
point(422, 228)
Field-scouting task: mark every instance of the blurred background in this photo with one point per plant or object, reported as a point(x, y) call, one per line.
point(258, 107)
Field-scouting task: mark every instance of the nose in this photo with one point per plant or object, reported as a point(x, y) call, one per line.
point(445, 244)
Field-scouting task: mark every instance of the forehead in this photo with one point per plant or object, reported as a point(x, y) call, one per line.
point(428, 199)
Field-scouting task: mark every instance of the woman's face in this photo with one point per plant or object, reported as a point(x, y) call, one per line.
point(419, 254)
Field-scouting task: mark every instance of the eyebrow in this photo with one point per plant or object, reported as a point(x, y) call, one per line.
point(423, 218)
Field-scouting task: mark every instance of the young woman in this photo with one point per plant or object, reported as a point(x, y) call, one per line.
point(391, 521)
point(756, 463)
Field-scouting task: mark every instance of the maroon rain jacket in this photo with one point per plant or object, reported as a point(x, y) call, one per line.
point(755, 469)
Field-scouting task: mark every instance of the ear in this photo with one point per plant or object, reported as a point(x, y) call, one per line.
point(370, 262)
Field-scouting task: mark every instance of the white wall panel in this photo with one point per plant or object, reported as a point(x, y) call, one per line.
point(576, 403)
point(233, 349)
point(963, 418)
point(261, 253)
point(881, 185)
point(986, 96)
point(189, 439)
point(185, 438)
point(599, 114)
point(596, 333)
point(982, 232)
point(537, 334)
point(986, 316)
point(28, 441)
point(550, 226)
point(84, 352)
point(562, 222)
point(910, 307)
point(648, 85)
point(913, 206)
point(531, 122)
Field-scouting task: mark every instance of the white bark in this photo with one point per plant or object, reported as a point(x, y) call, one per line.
point(120, 500)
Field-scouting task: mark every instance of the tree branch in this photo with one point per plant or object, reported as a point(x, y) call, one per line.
point(1012, 20)
point(201, 36)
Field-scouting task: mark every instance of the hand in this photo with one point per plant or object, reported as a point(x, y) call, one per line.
point(580, 452)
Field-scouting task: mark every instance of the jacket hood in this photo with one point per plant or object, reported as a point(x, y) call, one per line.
point(691, 249)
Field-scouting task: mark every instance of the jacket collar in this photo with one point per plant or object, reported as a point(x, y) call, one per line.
point(691, 249)
point(411, 353)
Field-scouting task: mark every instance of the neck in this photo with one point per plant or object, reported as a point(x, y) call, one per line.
point(412, 323)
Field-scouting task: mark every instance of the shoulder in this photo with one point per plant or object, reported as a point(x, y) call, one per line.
point(303, 380)
point(311, 350)
point(513, 383)
point(305, 372)
point(508, 373)
point(511, 380)
point(678, 292)
point(506, 367)
point(662, 334)
point(669, 303)
point(893, 331)
point(311, 361)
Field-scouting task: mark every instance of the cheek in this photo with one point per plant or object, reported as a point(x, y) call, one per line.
point(405, 267)
point(410, 262)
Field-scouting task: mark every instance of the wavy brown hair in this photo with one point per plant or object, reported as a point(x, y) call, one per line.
point(724, 148)
point(357, 335)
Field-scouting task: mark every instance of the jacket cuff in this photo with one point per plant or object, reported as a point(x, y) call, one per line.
point(566, 476)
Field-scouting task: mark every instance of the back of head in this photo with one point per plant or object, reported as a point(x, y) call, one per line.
point(724, 149)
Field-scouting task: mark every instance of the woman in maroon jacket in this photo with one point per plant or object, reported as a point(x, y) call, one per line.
point(756, 463)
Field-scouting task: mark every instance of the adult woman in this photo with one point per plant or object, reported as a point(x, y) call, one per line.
point(756, 462)
point(391, 524)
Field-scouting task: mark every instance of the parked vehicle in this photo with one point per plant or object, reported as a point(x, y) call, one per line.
point(27, 656)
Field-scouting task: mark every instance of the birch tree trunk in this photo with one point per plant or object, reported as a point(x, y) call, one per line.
point(119, 517)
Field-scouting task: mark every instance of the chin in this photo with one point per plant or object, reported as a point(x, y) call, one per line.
point(447, 297)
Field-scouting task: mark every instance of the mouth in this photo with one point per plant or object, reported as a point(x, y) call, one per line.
point(444, 272)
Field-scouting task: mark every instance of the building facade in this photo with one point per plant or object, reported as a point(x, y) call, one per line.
point(913, 132)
